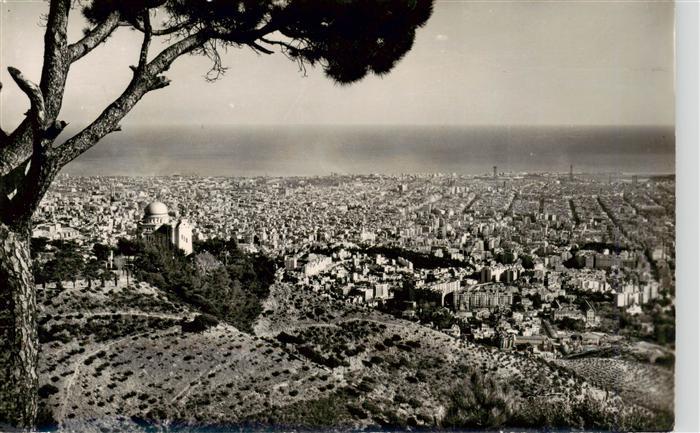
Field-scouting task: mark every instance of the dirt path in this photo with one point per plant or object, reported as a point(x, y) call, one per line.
point(76, 368)
point(182, 396)
point(125, 313)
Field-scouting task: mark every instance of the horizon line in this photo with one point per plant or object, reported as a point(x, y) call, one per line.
point(403, 125)
point(334, 174)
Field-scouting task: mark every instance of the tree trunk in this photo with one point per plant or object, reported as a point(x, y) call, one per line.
point(18, 332)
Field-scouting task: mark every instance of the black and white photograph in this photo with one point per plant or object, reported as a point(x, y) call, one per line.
point(338, 215)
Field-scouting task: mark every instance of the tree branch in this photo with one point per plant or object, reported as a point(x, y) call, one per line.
point(94, 37)
point(165, 31)
point(268, 28)
point(17, 148)
point(148, 79)
point(18, 145)
point(166, 57)
point(56, 62)
point(284, 45)
point(257, 47)
point(106, 122)
point(21, 189)
point(37, 112)
point(54, 129)
point(247, 37)
point(147, 33)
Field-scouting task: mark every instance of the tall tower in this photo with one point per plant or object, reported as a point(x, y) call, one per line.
point(495, 169)
point(571, 172)
point(182, 236)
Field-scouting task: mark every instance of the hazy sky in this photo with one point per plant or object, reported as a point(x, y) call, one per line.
point(474, 63)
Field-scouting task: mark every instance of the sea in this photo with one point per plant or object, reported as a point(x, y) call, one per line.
point(349, 149)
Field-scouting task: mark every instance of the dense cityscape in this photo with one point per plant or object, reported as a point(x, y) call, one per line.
point(549, 265)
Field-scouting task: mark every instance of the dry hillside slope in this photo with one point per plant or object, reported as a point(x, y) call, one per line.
point(116, 358)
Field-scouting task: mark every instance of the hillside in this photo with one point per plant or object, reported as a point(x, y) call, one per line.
point(121, 351)
point(403, 358)
point(116, 357)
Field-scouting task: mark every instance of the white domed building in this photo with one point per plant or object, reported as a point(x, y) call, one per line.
point(156, 228)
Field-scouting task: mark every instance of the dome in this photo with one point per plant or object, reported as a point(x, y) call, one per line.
point(156, 208)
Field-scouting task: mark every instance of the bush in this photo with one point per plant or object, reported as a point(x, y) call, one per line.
point(365, 387)
point(479, 402)
point(399, 398)
point(376, 360)
point(285, 338)
point(415, 403)
point(357, 412)
point(46, 390)
point(200, 323)
point(666, 360)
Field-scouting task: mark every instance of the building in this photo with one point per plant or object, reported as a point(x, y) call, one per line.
point(367, 236)
point(290, 263)
point(560, 312)
point(158, 227)
point(510, 275)
point(55, 232)
point(590, 317)
point(381, 291)
point(485, 275)
point(316, 264)
point(444, 288)
point(485, 297)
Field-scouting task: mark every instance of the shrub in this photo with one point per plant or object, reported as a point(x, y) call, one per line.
point(479, 402)
point(414, 344)
point(46, 390)
point(200, 323)
point(376, 360)
point(399, 398)
point(371, 407)
point(357, 412)
point(415, 403)
point(365, 387)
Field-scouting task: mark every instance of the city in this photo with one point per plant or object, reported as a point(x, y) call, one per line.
point(516, 259)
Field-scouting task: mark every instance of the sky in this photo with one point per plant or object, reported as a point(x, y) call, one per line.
point(483, 62)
